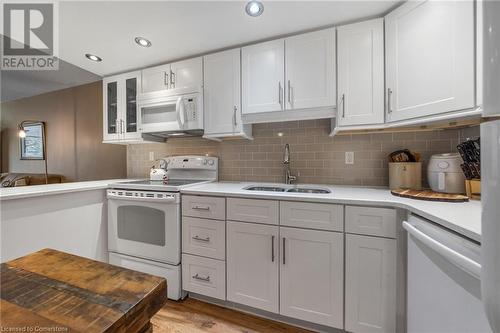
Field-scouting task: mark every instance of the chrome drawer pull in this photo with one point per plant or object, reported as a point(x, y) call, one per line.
point(201, 207)
point(284, 250)
point(198, 238)
point(272, 248)
point(197, 277)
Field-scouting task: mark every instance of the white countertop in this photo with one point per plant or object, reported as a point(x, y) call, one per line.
point(8, 193)
point(463, 218)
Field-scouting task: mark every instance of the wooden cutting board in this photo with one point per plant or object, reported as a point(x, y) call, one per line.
point(429, 195)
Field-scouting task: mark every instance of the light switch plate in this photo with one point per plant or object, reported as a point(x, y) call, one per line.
point(349, 157)
point(151, 155)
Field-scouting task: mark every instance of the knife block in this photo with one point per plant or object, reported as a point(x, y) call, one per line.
point(473, 188)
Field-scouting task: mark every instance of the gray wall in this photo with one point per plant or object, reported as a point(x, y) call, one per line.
point(73, 119)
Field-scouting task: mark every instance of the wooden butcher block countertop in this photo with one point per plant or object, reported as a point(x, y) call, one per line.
point(52, 291)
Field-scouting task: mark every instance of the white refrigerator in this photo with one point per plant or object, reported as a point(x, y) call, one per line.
point(490, 166)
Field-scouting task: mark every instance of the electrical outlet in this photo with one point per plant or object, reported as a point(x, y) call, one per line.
point(151, 155)
point(349, 157)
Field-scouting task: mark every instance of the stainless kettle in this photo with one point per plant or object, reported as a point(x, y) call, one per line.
point(159, 173)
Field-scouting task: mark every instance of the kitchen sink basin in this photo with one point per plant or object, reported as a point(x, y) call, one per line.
point(309, 190)
point(288, 189)
point(266, 188)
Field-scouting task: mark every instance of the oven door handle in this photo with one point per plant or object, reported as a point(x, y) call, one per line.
point(449, 254)
point(143, 199)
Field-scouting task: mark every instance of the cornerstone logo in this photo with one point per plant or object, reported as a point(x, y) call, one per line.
point(29, 36)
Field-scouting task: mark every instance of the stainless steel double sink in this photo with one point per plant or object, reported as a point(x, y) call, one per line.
point(294, 189)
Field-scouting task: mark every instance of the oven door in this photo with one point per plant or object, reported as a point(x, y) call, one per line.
point(143, 227)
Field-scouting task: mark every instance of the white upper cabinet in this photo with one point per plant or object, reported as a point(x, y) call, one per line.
point(430, 58)
point(222, 95)
point(308, 83)
point(312, 276)
point(361, 73)
point(263, 72)
point(121, 116)
point(186, 74)
point(156, 78)
point(252, 265)
point(310, 70)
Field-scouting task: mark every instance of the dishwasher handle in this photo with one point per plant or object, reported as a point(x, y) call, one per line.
point(451, 255)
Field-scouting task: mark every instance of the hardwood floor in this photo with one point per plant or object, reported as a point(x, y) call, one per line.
point(193, 316)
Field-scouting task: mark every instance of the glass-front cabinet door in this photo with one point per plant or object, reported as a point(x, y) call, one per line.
point(131, 120)
point(111, 118)
point(121, 115)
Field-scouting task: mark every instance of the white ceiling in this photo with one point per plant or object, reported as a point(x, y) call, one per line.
point(179, 29)
point(19, 84)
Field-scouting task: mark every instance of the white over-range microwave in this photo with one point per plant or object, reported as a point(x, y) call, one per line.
point(169, 115)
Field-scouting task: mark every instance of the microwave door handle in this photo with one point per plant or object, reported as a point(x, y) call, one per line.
point(181, 114)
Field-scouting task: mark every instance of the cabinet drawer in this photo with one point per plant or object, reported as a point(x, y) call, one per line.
point(312, 215)
point(204, 276)
point(205, 207)
point(371, 221)
point(204, 237)
point(252, 210)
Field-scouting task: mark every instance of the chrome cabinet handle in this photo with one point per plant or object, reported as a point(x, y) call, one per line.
point(119, 129)
point(165, 79)
point(279, 94)
point(197, 277)
point(198, 238)
point(272, 248)
point(284, 250)
point(389, 95)
point(201, 207)
point(172, 78)
point(289, 93)
point(342, 100)
point(235, 109)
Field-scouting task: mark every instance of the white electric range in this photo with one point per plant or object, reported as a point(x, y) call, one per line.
point(144, 219)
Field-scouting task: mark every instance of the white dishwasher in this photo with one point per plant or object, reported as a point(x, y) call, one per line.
point(444, 288)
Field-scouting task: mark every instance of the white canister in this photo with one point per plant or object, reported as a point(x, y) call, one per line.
point(405, 175)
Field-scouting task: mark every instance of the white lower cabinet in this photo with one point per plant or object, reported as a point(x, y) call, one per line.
point(370, 291)
point(295, 272)
point(312, 276)
point(204, 276)
point(252, 265)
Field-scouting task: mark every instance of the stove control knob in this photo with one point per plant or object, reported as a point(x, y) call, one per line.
point(211, 162)
point(205, 162)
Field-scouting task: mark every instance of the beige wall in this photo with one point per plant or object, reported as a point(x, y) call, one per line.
point(73, 132)
point(316, 156)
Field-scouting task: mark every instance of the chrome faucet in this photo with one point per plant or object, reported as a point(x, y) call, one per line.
point(289, 178)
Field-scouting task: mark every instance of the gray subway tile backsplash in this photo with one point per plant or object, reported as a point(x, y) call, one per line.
point(316, 157)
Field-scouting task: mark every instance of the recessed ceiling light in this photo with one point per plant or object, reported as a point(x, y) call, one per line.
point(254, 8)
point(141, 41)
point(93, 57)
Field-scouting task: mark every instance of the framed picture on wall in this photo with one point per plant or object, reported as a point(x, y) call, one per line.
point(33, 141)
